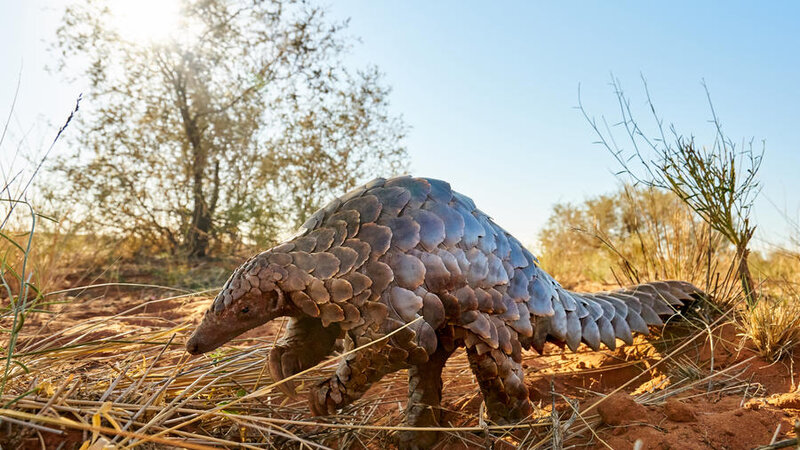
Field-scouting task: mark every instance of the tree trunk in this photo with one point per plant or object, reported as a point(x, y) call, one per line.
point(197, 237)
point(198, 232)
point(746, 278)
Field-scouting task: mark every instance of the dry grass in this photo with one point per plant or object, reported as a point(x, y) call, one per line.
point(638, 235)
point(773, 326)
point(110, 381)
point(134, 387)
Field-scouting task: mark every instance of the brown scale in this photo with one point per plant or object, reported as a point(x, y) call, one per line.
point(411, 258)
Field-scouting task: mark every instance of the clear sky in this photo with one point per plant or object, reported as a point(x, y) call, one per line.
point(490, 92)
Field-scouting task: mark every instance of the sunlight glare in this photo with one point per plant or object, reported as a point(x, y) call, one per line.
point(146, 20)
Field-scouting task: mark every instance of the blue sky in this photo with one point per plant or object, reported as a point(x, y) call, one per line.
point(490, 92)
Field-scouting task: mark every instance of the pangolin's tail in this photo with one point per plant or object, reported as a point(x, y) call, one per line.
point(602, 317)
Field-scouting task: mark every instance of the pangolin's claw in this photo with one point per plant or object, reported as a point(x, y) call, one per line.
point(316, 408)
point(279, 370)
point(321, 401)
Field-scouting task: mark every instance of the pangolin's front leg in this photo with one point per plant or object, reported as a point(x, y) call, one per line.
point(424, 400)
point(354, 376)
point(502, 383)
point(304, 345)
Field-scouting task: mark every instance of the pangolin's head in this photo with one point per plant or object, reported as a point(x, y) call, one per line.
point(249, 298)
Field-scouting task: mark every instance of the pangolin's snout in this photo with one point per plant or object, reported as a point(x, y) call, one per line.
point(212, 333)
point(202, 340)
point(193, 346)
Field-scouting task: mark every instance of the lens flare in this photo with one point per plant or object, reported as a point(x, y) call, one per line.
point(146, 21)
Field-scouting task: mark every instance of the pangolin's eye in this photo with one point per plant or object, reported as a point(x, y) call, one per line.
point(246, 309)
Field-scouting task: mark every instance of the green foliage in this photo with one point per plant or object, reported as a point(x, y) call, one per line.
point(232, 130)
point(15, 275)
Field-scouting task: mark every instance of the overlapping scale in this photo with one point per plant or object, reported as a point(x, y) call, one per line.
point(326, 265)
point(405, 302)
point(433, 310)
point(540, 297)
point(340, 290)
point(452, 220)
point(350, 217)
point(590, 332)
point(409, 271)
point(361, 248)
point(346, 258)
point(358, 281)
point(440, 191)
point(405, 232)
point(418, 189)
point(392, 199)
point(368, 208)
point(472, 228)
point(380, 274)
point(431, 228)
point(330, 313)
point(478, 266)
point(574, 331)
point(437, 277)
point(340, 231)
point(378, 237)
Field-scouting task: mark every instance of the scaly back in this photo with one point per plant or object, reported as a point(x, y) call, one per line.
point(394, 250)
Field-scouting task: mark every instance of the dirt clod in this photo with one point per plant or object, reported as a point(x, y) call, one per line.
point(678, 411)
point(620, 409)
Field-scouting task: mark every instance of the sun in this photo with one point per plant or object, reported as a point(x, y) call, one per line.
point(146, 21)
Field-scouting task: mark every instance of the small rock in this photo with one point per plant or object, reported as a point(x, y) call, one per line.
point(620, 408)
point(677, 411)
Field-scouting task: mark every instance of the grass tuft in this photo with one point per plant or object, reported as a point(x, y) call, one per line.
point(773, 326)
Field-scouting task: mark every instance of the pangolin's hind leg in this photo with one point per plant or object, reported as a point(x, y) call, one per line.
point(304, 345)
point(354, 376)
point(424, 398)
point(502, 383)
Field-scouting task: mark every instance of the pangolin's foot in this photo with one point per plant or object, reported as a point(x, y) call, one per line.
point(327, 397)
point(420, 415)
point(285, 361)
point(305, 344)
point(421, 439)
point(502, 383)
point(516, 411)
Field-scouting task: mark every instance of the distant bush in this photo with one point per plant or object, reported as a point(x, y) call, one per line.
point(631, 236)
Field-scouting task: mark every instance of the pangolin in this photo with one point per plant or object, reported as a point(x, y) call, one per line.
point(413, 251)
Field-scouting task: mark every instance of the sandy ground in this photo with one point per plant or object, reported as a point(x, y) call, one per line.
point(728, 398)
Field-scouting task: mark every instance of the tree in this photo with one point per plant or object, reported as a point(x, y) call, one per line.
point(243, 114)
point(718, 182)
